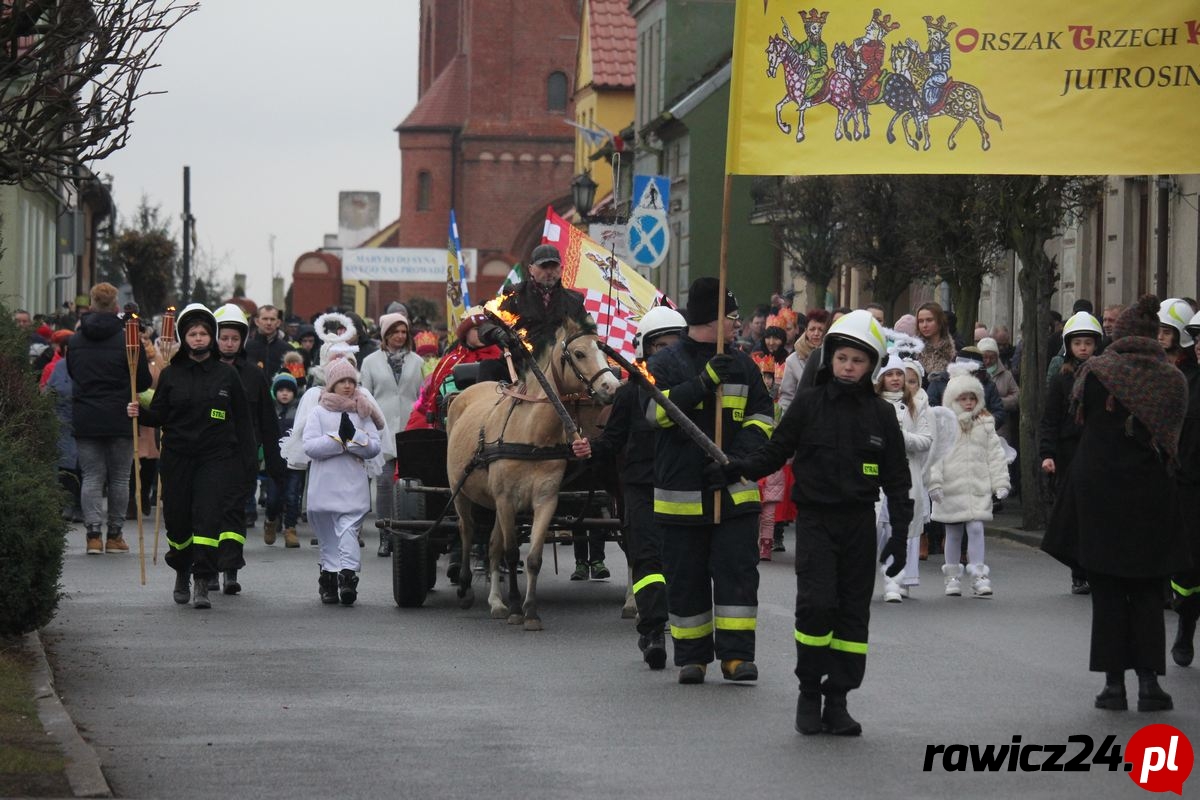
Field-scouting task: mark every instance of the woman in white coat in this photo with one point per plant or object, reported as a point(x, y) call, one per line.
point(912, 412)
point(392, 375)
point(962, 484)
point(341, 435)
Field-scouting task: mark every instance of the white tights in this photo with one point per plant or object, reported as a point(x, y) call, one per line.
point(954, 534)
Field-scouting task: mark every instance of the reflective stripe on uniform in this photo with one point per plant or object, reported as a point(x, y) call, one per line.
point(207, 541)
point(814, 641)
point(766, 423)
point(694, 627)
point(657, 415)
point(733, 398)
point(1182, 592)
point(848, 647)
point(736, 618)
point(680, 504)
point(180, 545)
point(237, 537)
point(743, 492)
point(656, 577)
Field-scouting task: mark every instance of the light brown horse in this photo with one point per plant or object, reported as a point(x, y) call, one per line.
point(481, 423)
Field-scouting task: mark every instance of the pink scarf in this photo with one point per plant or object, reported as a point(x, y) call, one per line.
point(357, 403)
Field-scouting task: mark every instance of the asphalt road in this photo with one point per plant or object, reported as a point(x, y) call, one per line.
point(271, 694)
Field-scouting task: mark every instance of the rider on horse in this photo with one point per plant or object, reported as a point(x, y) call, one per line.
point(869, 53)
point(812, 50)
point(938, 57)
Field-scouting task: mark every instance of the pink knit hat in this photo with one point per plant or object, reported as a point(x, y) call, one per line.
point(907, 325)
point(339, 370)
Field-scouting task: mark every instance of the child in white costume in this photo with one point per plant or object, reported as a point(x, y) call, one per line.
point(340, 436)
point(912, 412)
point(962, 484)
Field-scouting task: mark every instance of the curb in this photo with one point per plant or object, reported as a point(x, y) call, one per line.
point(82, 764)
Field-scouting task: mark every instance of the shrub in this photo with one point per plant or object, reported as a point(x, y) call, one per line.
point(31, 526)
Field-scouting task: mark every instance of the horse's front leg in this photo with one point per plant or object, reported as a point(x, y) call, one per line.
point(800, 123)
point(866, 120)
point(542, 514)
point(783, 126)
point(505, 522)
point(466, 530)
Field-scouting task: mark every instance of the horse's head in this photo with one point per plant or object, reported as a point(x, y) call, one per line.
point(774, 54)
point(580, 366)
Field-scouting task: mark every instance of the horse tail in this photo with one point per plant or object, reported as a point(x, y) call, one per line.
point(989, 114)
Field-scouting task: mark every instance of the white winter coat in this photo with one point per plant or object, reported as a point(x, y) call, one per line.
point(337, 477)
point(395, 398)
point(971, 473)
point(291, 447)
point(918, 439)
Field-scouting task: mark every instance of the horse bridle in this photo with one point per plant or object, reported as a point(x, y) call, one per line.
point(565, 359)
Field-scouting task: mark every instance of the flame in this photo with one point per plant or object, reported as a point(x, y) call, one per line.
point(509, 319)
point(641, 367)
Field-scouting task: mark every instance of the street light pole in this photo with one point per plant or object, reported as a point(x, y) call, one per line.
point(187, 235)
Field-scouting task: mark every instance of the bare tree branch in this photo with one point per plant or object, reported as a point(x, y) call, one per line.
point(70, 79)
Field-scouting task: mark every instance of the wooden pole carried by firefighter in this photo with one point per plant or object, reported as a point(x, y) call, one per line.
point(133, 343)
point(166, 349)
point(722, 283)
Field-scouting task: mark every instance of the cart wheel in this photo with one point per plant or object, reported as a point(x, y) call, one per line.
point(409, 570)
point(406, 504)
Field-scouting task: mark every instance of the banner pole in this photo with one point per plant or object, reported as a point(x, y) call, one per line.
point(722, 279)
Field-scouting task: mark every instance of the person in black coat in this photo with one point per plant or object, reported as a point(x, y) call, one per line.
point(1058, 430)
point(99, 373)
point(1119, 518)
point(1186, 582)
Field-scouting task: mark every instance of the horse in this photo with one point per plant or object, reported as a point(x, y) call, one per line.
point(836, 91)
point(507, 448)
point(960, 100)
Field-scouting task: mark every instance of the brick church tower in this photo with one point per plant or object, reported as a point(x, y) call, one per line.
point(487, 136)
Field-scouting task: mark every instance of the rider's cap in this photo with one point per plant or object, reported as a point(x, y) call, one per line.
point(545, 254)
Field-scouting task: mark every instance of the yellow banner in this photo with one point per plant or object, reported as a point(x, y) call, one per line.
point(1105, 87)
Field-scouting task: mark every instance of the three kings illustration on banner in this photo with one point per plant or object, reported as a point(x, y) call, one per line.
point(913, 83)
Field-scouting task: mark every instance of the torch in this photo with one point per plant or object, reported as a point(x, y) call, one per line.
point(673, 411)
point(167, 336)
point(133, 344)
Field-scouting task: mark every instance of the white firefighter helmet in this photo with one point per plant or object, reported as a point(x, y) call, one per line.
point(656, 322)
point(1082, 323)
point(190, 310)
point(1193, 327)
point(1177, 313)
point(231, 315)
point(860, 329)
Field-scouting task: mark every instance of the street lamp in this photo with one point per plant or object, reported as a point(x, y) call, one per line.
point(583, 193)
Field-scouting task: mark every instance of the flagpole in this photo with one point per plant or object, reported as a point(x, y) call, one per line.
point(722, 280)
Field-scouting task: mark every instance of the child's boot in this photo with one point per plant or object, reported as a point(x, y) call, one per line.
point(981, 584)
point(953, 573)
point(892, 593)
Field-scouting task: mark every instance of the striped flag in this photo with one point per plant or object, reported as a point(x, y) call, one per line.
point(457, 296)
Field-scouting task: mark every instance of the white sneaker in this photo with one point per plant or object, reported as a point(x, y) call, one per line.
point(905, 591)
point(953, 573)
point(981, 585)
point(892, 593)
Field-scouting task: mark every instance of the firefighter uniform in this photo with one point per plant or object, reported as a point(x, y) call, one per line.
point(208, 450)
point(847, 445)
point(711, 569)
point(1185, 584)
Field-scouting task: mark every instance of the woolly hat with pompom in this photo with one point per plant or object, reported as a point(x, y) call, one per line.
point(1139, 319)
point(339, 370)
point(963, 381)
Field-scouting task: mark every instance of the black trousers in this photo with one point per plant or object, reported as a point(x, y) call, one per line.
point(835, 576)
point(712, 589)
point(1128, 631)
point(644, 543)
point(202, 511)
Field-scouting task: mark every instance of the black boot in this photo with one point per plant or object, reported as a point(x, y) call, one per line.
point(328, 585)
point(385, 544)
point(1183, 651)
point(214, 583)
point(1112, 696)
point(200, 583)
point(183, 588)
point(808, 713)
point(347, 587)
point(1151, 696)
point(778, 547)
point(231, 582)
point(836, 719)
point(654, 652)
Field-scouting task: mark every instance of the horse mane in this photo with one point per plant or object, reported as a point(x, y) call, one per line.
point(543, 338)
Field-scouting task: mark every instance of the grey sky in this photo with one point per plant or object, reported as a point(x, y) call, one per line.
point(276, 106)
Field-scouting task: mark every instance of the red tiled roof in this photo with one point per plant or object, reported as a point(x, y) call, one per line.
point(444, 104)
point(614, 44)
